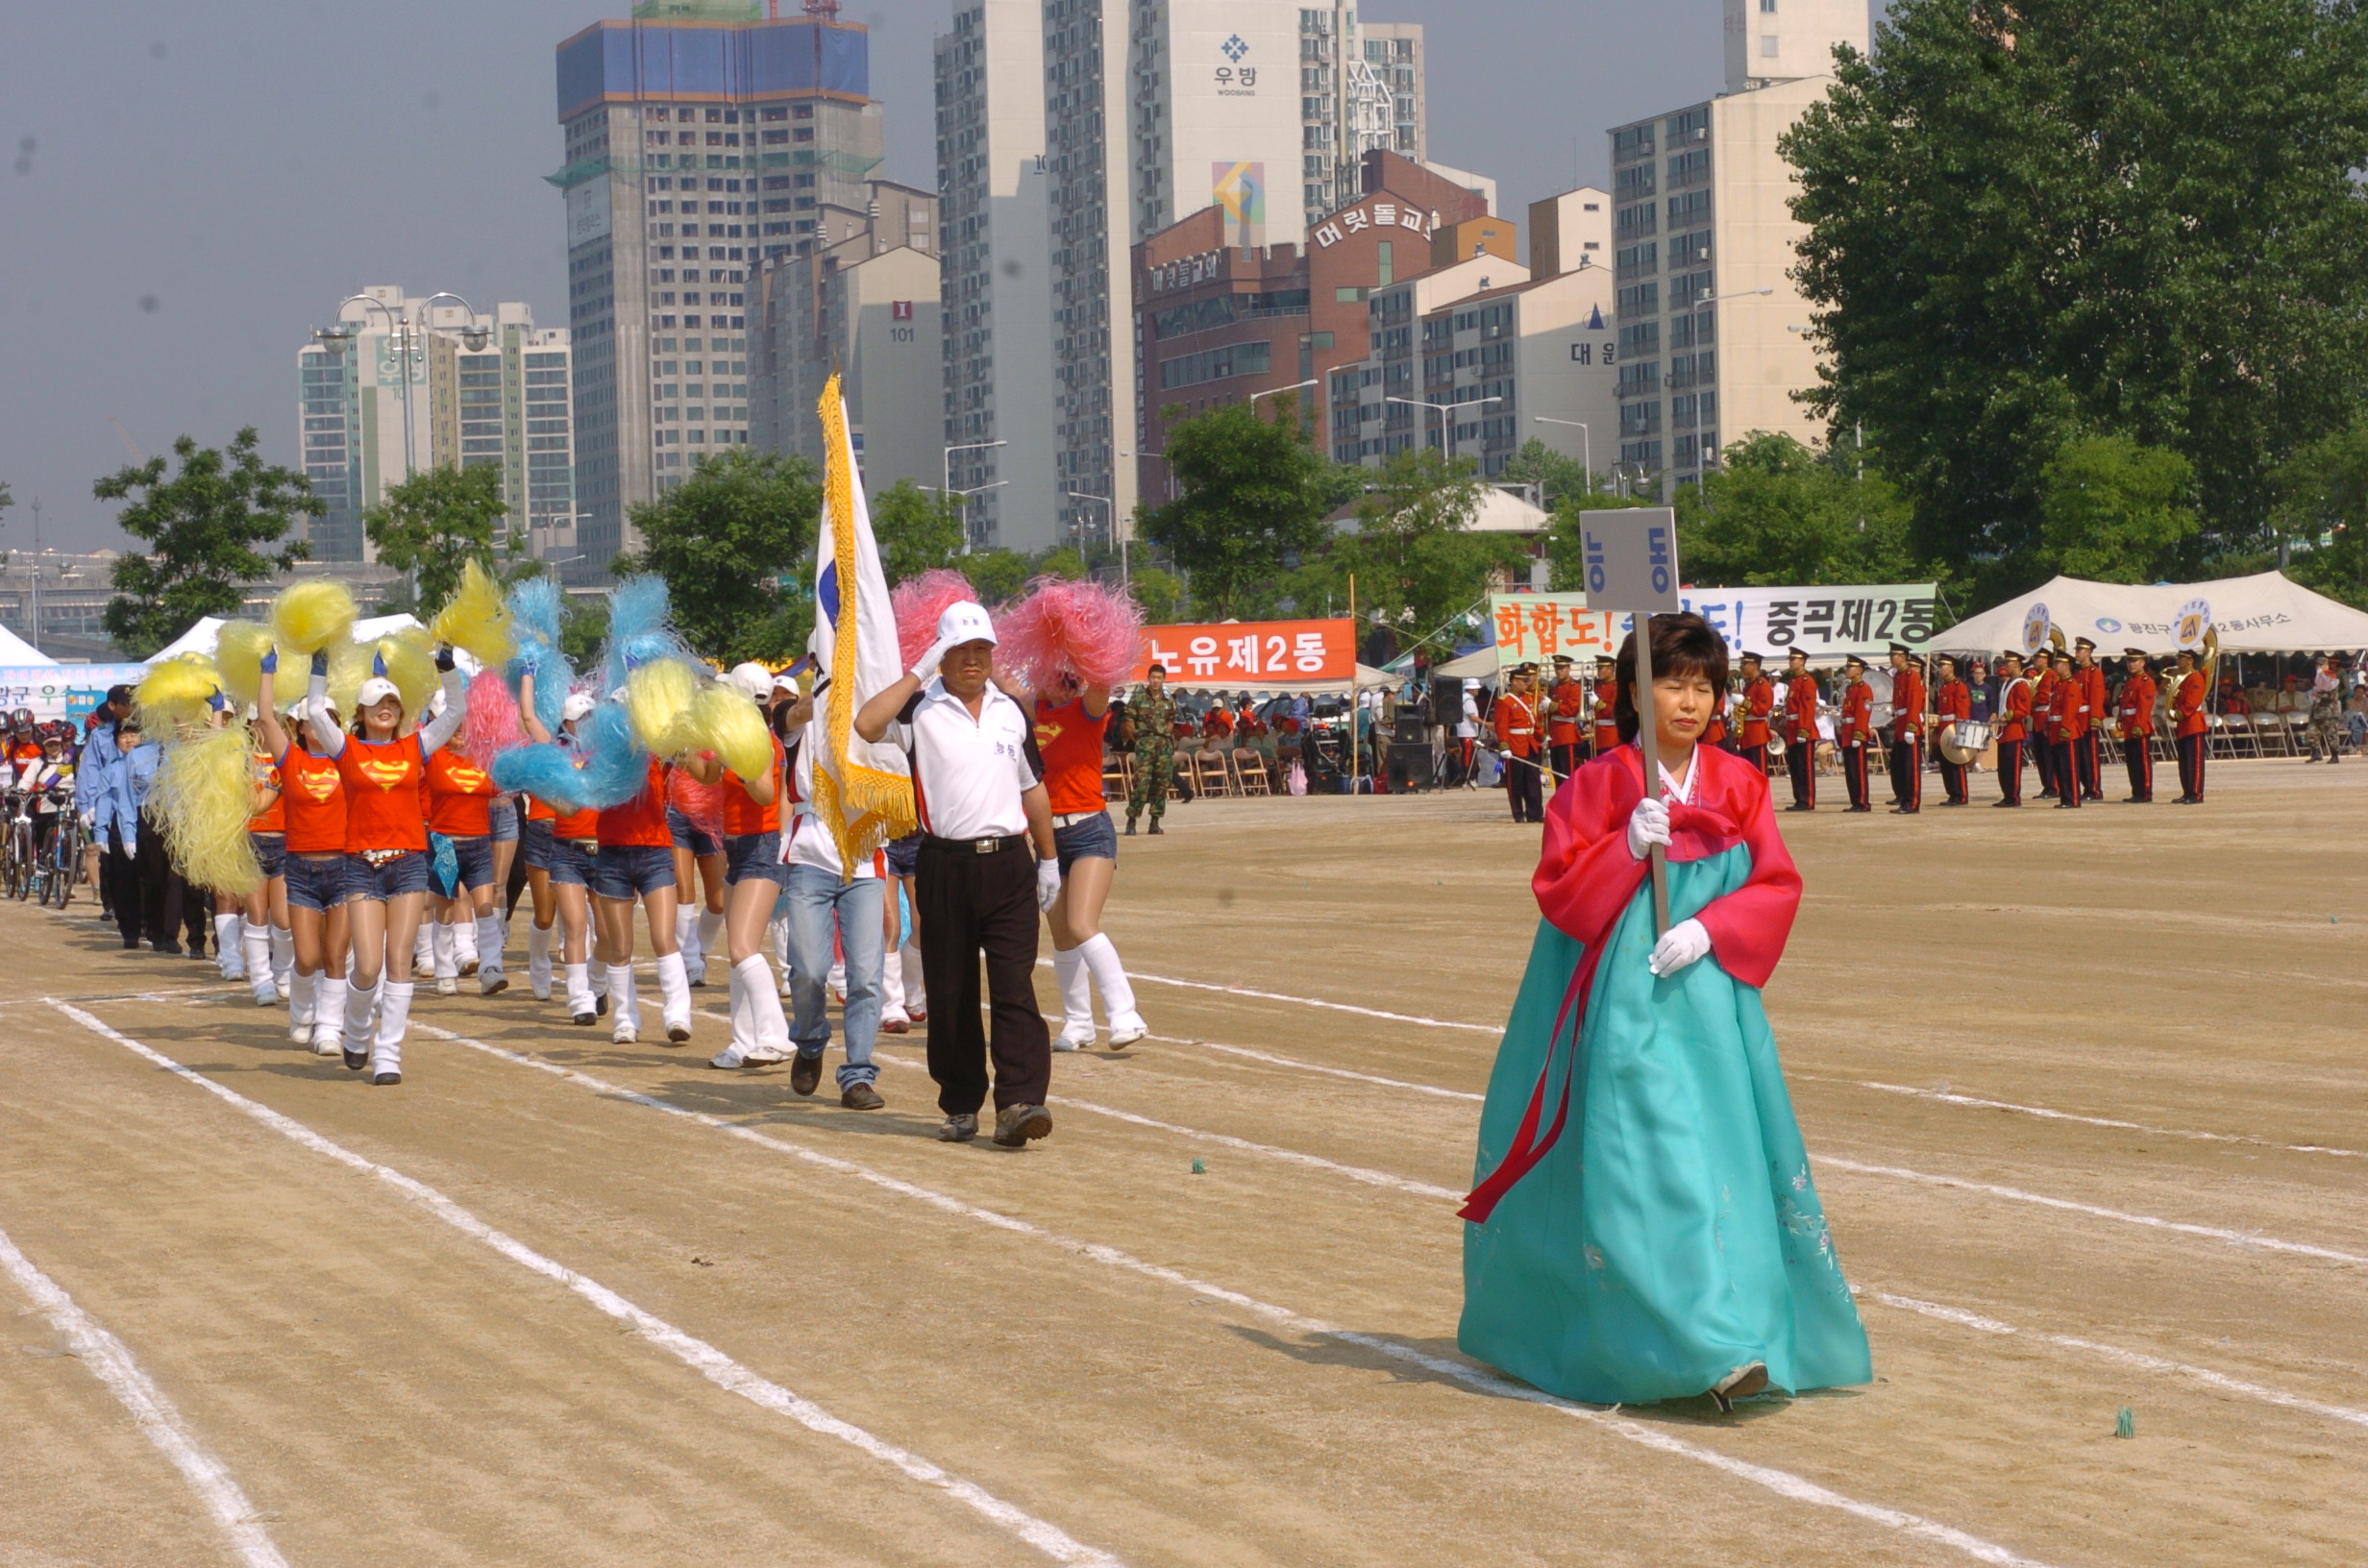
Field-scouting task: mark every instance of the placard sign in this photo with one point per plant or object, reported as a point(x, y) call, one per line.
point(1630, 558)
point(1250, 653)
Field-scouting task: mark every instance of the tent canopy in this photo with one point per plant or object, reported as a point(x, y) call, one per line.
point(2268, 613)
point(1366, 677)
point(16, 653)
point(202, 637)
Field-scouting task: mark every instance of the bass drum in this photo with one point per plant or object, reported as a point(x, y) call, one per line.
point(1965, 742)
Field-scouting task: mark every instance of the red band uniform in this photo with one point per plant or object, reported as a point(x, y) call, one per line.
point(2068, 721)
point(1758, 703)
point(1516, 718)
point(1907, 738)
point(1800, 733)
point(2188, 731)
point(2013, 738)
point(2137, 712)
point(1953, 704)
point(1854, 734)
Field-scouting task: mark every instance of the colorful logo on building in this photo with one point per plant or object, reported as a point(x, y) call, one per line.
point(1240, 189)
point(1233, 48)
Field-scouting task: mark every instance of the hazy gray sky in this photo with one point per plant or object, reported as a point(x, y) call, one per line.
point(187, 189)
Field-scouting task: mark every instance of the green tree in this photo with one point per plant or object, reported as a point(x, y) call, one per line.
point(1416, 559)
point(1159, 593)
point(436, 521)
point(2035, 219)
point(1248, 492)
point(2322, 513)
point(583, 626)
point(1558, 477)
point(998, 575)
point(2114, 511)
point(724, 539)
point(1774, 512)
point(205, 527)
point(917, 529)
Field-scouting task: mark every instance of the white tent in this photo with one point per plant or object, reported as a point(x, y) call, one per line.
point(16, 653)
point(2268, 613)
point(202, 637)
point(1367, 677)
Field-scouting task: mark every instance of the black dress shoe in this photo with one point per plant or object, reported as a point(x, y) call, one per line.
point(170, 949)
point(805, 1073)
point(2008, 805)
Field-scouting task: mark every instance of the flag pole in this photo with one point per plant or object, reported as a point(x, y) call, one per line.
point(1648, 743)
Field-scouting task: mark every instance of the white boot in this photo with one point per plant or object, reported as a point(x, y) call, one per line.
point(674, 984)
point(624, 1009)
point(711, 926)
point(538, 961)
point(581, 1006)
point(490, 978)
point(446, 962)
point(686, 938)
point(360, 1009)
point(1076, 988)
point(735, 1053)
point(282, 959)
point(1118, 998)
point(328, 1014)
point(767, 1023)
point(464, 941)
point(892, 1016)
point(301, 996)
point(254, 945)
point(423, 950)
point(229, 952)
point(916, 986)
point(394, 1016)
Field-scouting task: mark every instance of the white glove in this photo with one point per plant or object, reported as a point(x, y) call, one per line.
point(926, 665)
point(1647, 826)
point(1679, 945)
point(1047, 883)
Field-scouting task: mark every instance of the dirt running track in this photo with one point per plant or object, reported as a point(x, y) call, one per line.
point(2085, 1092)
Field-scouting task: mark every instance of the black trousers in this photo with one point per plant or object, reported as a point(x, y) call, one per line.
point(2010, 772)
point(2191, 767)
point(2138, 756)
point(2043, 757)
point(119, 885)
point(972, 906)
point(2063, 761)
point(163, 895)
point(1907, 761)
point(1564, 759)
point(1756, 756)
point(1801, 765)
point(2086, 754)
point(1854, 774)
point(1953, 780)
point(1525, 787)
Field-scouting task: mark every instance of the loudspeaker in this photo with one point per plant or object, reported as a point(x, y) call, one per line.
point(1410, 765)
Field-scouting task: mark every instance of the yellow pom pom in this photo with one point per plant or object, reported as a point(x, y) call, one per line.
point(349, 666)
point(727, 723)
point(239, 656)
point(311, 616)
point(477, 620)
point(172, 697)
point(658, 698)
point(410, 664)
point(205, 795)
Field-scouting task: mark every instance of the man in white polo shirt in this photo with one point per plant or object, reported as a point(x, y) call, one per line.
point(979, 788)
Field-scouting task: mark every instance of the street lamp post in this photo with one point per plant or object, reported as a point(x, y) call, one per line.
point(408, 326)
point(1270, 391)
point(950, 490)
point(1587, 444)
point(1106, 502)
point(1446, 414)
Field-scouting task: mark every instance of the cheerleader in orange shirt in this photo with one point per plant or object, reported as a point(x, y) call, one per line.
point(270, 952)
point(574, 841)
point(754, 879)
point(312, 875)
point(460, 807)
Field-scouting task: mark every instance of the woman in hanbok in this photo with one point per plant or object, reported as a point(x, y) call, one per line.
point(1644, 1226)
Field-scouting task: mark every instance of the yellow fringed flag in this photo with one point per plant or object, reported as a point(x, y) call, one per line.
point(862, 792)
point(476, 621)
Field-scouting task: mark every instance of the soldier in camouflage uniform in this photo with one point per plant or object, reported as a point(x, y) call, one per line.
point(1152, 713)
point(2326, 710)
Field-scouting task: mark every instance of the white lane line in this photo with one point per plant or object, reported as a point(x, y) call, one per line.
point(2136, 1360)
point(1318, 1066)
point(701, 1356)
point(1305, 1001)
point(1783, 1482)
point(1355, 1173)
point(112, 1364)
point(1946, 1098)
point(2016, 1195)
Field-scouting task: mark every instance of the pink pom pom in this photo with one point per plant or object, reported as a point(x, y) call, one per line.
point(1069, 629)
point(490, 725)
point(702, 804)
point(920, 601)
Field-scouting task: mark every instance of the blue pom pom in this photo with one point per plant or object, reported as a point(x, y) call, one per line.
point(552, 679)
point(616, 768)
point(534, 610)
point(638, 628)
point(547, 772)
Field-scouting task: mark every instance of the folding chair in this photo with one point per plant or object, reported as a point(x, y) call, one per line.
point(1250, 778)
point(1209, 774)
point(1115, 782)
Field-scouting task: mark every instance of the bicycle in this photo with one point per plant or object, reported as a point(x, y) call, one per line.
point(62, 864)
point(20, 861)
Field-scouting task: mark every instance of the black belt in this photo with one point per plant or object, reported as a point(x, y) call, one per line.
point(977, 846)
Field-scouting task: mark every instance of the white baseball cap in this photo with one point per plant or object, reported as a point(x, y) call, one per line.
point(965, 623)
point(579, 705)
point(376, 690)
point(753, 680)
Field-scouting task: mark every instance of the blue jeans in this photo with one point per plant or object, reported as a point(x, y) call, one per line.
point(621, 871)
point(821, 906)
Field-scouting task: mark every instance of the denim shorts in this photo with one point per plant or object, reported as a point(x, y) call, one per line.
point(314, 883)
point(1089, 835)
point(571, 861)
point(503, 815)
point(406, 872)
point(270, 852)
point(620, 870)
point(689, 834)
point(535, 844)
point(904, 855)
point(475, 857)
point(754, 856)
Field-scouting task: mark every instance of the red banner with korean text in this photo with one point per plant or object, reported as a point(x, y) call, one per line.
point(1251, 653)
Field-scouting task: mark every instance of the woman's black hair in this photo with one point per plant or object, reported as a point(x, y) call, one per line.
point(1684, 644)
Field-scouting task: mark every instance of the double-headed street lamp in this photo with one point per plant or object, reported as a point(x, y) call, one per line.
point(407, 324)
point(950, 490)
point(1446, 414)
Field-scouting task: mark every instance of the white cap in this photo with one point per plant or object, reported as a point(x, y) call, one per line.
point(376, 690)
point(787, 682)
point(965, 623)
point(753, 680)
point(579, 705)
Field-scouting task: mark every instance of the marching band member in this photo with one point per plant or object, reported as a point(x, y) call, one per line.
point(2014, 728)
point(1603, 730)
point(1856, 730)
point(2043, 679)
point(2188, 692)
point(1907, 738)
point(1758, 702)
point(1516, 718)
point(1952, 704)
point(1801, 730)
point(2084, 750)
point(1567, 706)
point(2136, 710)
point(2068, 721)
